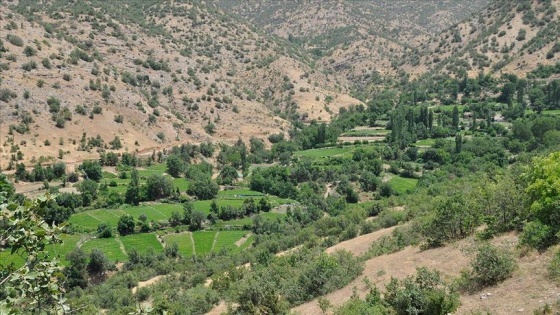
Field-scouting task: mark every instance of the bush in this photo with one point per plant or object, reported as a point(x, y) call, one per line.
point(537, 235)
point(6, 95)
point(126, 225)
point(424, 293)
point(29, 51)
point(491, 265)
point(554, 267)
point(104, 231)
point(15, 40)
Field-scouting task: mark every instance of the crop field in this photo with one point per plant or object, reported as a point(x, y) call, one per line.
point(552, 112)
point(239, 193)
point(204, 205)
point(249, 221)
point(366, 132)
point(151, 170)
point(141, 243)
point(109, 246)
point(401, 185)
point(59, 251)
point(89, 220)
point(183, 241)
point(325, 152)
point(203, 241)
point(227, 239)
point(449, 108)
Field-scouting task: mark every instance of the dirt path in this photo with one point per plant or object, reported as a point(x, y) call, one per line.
point(359, 245)
point(243, 240)
point(192, 242)
point(214, 242)
point(121, 245)
point(147, 283)
point(218, 309)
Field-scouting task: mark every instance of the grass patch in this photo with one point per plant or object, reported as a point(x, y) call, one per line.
point(239, 193)
point(366, 133)
point(184, 242)
point(109, 246)
point(325, 152)
point(226, 240)
point(551, 112)
point(402, 185)
point(203, 241)
point(141, 243)
point(449, 108)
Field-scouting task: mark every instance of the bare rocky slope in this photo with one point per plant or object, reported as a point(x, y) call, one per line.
point(153, 73)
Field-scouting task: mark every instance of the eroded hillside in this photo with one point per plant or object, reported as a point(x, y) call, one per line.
point(152, 73)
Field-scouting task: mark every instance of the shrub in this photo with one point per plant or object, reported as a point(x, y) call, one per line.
point(490, 265)
point(28, 66)
point(537, 235)
point(104, 231)
point(6, 95)
point(29, 51)
point(424, 293)
point(126, 225)
point(15, 40)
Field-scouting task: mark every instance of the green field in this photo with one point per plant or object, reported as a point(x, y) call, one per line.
point(142, 243)
point(183, 240)
point(448, 108)
point(239, 193)
point(401, 185)
point(203, 241)
point(227, 239)
point(109, 246)
point(366, 132)
point(249, 221)
point(551, 112)
point(325, 152)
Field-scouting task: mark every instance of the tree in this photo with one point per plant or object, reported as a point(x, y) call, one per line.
point(92, 170)
point(455, 122)
point(104, 230)
point(197, 220)
point(88, 189)
point(126, 225)
point(203, 188)
point(35, 286)
point(6, 189)
point(453, 219)
point(132, 195)
point(228, 175)
point(175, 219)
point(424, 293)
point(76, 271)
point(544, 197)
point(175, 165)
point(188, 209)
point(98, 264)
point(158, 186)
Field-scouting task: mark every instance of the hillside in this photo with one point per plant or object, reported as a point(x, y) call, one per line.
point(506, 37)
point(355, 39)
point(152, 73)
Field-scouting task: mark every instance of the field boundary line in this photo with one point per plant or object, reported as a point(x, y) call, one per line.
point(156, 210)
point(121, 246)
point(215, 240)
point(192, 242)
point(91, 215)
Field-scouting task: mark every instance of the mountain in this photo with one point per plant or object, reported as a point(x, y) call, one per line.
point(355, 38)
point(152, 73)
point(506, 37)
